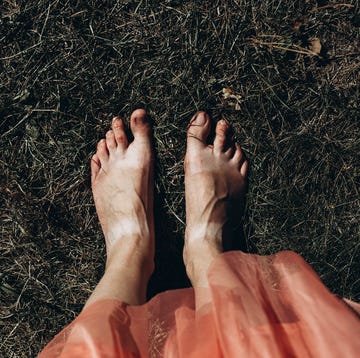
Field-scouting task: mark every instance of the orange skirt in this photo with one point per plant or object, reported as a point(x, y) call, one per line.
point(256, 306)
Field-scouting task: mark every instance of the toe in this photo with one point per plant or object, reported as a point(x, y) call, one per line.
point(198, 131)
point(230, 152)
point(119, 133)
point(110, 141)
point(95, 167)
point(244, 168)
point(220, 137)
point(102, 152)
point(140, 125)
point(240, 161)
point(238, 155)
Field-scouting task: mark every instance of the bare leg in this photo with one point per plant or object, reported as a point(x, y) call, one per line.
point(122, 184)
point(215, 181)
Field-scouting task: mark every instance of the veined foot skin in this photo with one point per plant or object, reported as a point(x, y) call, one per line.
point(215, 184)
point(122, 185)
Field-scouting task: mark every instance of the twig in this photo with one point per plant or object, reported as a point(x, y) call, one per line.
point(330, 6)
point(21, 52)
point(27, 115)
point(282, 46)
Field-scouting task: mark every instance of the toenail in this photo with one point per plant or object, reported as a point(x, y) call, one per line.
point(141, 120)
point(200, 119)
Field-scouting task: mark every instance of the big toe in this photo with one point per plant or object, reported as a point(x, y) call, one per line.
point(198, 131)
point(140, 125)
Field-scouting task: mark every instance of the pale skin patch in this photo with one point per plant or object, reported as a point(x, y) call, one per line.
point(127, 228)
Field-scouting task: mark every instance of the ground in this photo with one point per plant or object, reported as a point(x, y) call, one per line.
point(284, 74)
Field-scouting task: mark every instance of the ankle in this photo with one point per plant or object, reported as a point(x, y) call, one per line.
point(126, 284)
point(197, 259)
point(197, 272)
point(131, 251)
point(137, 266)
point(132, 254)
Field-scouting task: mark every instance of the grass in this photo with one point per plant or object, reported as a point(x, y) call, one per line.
point(67, 67)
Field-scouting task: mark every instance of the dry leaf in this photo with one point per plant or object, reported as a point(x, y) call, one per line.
point(233, 98)
point(227, 92)
point(315, 45)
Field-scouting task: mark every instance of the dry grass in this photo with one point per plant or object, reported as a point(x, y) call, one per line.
point(67, 66)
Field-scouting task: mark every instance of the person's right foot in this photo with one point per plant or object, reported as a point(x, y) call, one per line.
point(215, 182)
point(122, 184)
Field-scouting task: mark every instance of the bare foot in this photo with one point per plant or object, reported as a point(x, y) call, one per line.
point(215, 183)
point(122, 184)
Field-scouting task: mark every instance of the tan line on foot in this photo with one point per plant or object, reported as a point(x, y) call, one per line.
point(214, 182)
point(122, 184)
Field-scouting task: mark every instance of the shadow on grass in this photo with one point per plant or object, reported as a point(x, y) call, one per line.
point(169, 271)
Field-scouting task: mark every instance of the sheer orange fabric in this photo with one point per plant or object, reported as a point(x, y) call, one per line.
point(256, 306)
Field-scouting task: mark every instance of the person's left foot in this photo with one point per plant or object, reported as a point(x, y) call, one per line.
point(122, 184)
point(215, 184)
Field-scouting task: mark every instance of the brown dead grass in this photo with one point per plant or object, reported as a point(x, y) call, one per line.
point(67, 67)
